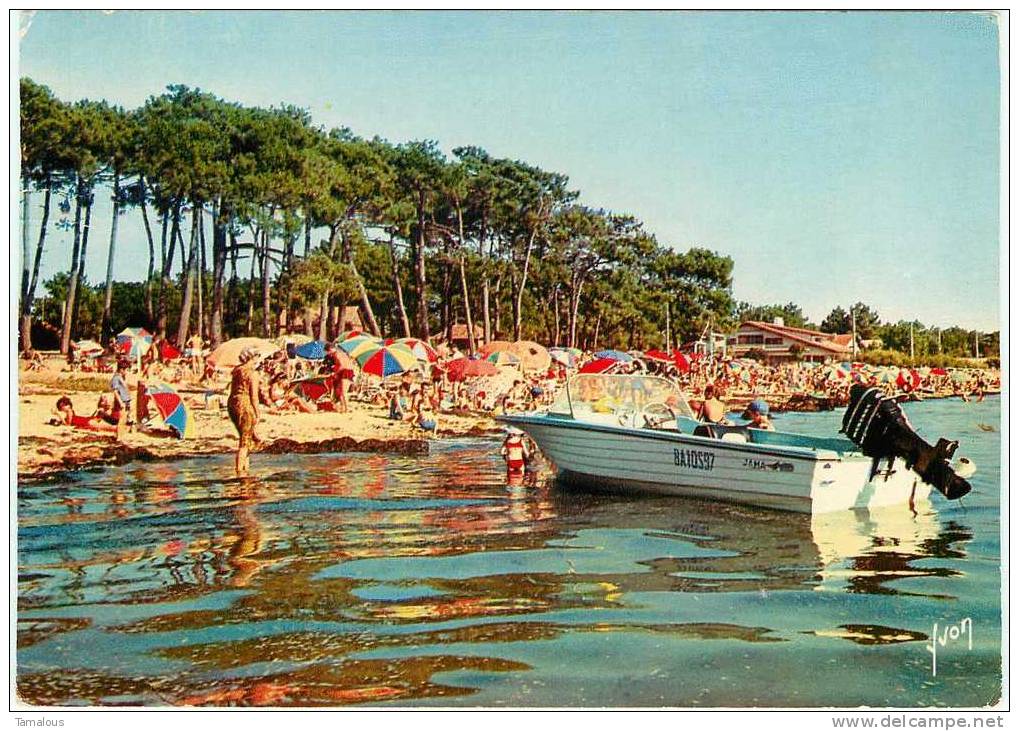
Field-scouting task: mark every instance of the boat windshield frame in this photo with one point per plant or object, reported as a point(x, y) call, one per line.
point(589, 394)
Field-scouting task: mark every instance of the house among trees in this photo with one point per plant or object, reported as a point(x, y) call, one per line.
point(780, 343)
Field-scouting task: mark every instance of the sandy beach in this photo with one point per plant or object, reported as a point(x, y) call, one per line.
point(44, 449)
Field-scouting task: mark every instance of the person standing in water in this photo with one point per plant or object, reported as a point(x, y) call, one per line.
point(243, 407)
point(514, 451)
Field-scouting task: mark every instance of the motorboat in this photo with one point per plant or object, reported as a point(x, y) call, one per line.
point(639, 433)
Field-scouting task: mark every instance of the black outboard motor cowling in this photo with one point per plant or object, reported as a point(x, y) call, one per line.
point(876, 424)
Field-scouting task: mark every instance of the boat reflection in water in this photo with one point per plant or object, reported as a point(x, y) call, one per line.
point(433, 580)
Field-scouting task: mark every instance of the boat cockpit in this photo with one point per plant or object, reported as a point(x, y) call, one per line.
point(650, 402)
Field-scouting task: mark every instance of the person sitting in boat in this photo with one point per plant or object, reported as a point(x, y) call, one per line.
point(514, 451)
point(757, 411)
point(711, 410)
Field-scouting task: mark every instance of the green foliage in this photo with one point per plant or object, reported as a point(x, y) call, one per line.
point(897, 358)
point(557, 270)
point(840, 321)
point(790, 313)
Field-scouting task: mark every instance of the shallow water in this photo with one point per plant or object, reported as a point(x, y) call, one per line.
point(353, 579)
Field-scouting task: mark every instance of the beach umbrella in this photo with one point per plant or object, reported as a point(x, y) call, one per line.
point(357, 344)
point(168, 351)
point(681, 361)
point(387, 360)
point(907, 376)
point(533, 356)
point(421, 350)
point(563, 356)
point(463, 368)
point(601, 365)
point(886, 375)
point(614, 355)
point(960, 376)
point(133, 342)
point(314, 350)
point(86, 347)
point(657, 355)
point(171, 409)
point(311, 389)
point(227, 355)
point(348, 334)
point(939, 372)
point(503, 358)
point(292, 338)
point(488, 348)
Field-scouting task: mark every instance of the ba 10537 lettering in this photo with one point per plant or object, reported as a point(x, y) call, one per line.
point(694, 459)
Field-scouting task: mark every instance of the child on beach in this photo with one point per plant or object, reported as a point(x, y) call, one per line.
point(121, 398)
point(514, 451)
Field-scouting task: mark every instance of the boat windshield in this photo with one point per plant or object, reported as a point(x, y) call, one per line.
point(620, 399)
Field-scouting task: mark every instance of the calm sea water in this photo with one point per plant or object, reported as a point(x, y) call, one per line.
point(366, 579)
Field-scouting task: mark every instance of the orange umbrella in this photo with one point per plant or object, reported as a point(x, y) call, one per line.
point(533, 357)
point(488, 348)
point(462, 368)
point(227, 354)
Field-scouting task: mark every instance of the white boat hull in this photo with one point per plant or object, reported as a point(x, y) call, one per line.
point(671, 463)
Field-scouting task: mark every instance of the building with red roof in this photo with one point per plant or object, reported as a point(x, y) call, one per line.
point(781, 343)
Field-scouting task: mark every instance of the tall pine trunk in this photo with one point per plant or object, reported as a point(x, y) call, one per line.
point(471, 344)
point(167, 265)
point(266, 303)
point(398, 288)
point(26, 250)
point(203, 327)
point(218, 273)
point(518, 295)
point(420, 285)
point(250, 324)
point(86, 227)
point(108, 300)
point(190, 264)
point(26, 307)
point(72, 284)
point(149, 312)
point(469, 321)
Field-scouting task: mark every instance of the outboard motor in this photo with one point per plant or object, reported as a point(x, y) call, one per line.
point(876, 424)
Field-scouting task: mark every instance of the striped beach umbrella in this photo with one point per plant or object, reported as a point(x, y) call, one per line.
point(348, 334)
point(358, 344)
point(421, 350)
point(133, 342)
point(503, 358)
point(171, 409)
point(387, 360)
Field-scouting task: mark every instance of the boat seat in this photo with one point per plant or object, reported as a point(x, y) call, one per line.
point(727, 433)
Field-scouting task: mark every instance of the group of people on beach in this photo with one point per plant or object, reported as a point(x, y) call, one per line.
point(267, 383)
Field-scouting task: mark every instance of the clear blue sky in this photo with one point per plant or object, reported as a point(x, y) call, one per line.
point(836, 157)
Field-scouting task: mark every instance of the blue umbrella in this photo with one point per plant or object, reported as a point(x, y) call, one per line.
point(614, 355)
point(314, 350)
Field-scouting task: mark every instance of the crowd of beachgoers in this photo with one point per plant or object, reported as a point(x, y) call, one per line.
point(159, 389)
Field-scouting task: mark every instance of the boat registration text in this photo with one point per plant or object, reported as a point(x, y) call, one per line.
point(694, 459)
